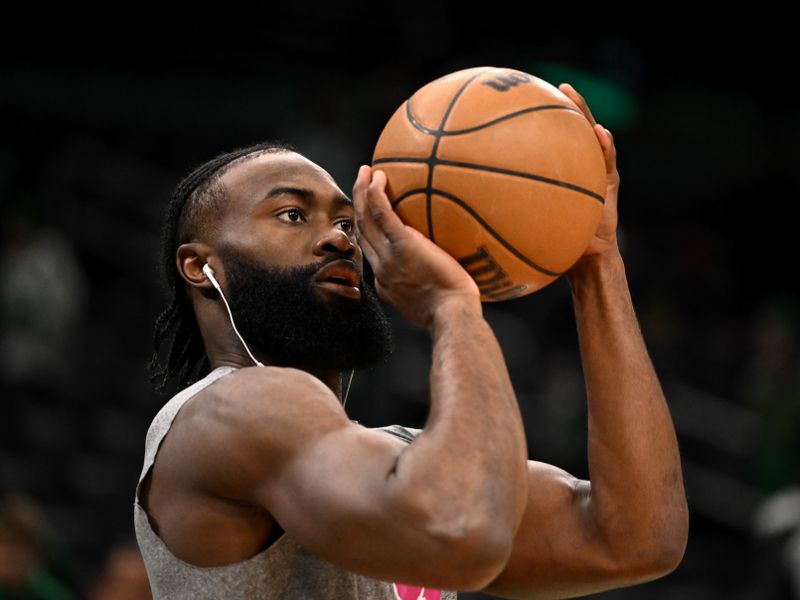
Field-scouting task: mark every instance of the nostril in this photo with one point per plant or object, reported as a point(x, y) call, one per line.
point(348, 252)
point(342, 244)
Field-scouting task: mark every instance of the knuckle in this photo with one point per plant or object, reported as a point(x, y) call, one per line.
point(378, 214)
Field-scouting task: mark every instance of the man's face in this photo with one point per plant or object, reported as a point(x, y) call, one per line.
point(272, 247)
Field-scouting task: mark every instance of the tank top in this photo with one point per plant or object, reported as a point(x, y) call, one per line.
point(283, 571)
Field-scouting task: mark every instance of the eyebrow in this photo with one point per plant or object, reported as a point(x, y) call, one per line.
point(304, 193)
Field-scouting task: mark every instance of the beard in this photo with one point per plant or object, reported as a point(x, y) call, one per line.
point(279, 314)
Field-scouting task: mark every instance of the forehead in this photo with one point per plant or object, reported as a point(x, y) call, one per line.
point(248, 181)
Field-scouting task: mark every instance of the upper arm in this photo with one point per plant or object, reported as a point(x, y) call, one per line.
point(280, 439)
point(554, 546)
point(559, 550)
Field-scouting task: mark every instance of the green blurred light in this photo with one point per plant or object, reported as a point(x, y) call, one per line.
point(612, 105)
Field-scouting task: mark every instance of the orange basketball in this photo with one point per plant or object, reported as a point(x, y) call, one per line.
point(500, 169)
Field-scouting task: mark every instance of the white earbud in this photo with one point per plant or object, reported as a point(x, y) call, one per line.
point(210, 274)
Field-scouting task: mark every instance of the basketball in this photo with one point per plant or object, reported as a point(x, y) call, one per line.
point(500, 169)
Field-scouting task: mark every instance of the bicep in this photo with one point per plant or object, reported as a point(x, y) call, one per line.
point(327, 481)
point(557, 551)
point(339, 499)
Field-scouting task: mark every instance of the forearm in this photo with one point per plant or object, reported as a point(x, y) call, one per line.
point(637, 499)
point(471, 457)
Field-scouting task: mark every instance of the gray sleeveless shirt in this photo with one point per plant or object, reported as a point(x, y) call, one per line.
point(284, 570)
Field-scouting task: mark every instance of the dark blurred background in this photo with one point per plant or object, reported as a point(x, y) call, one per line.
point(100, 117)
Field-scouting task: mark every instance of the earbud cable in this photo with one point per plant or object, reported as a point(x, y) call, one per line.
point(348, 387)
point(236, 331)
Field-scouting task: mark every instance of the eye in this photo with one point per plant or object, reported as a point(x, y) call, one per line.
point(347, 225)
point(291, 212)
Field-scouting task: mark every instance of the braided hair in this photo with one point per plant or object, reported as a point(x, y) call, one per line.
point(195, 206)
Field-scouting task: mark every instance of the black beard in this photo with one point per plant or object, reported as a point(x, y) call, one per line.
point(280, 315)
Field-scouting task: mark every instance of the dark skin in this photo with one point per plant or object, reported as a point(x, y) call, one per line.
point(272, 445)
point(274, 242)
point(257, 448)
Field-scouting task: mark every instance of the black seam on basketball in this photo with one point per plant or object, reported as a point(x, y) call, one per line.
point(420, 127)
point(437, 136)
point(488, 228)
point(406, 159)
point(511, 116)
point(415, 123)
point(464, 165)
point(405, 195)
point(543, 179)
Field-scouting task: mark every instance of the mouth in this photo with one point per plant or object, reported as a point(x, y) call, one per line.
point(339, 277)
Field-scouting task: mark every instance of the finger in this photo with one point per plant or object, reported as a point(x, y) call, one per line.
point(375, 264)
point(424, 239)
point(579, 100)
point(362, 178)
point(609, 149)
point(380, 210)
point(360, 187)
point(612, 174)
point(365, 227)
point(370, 254)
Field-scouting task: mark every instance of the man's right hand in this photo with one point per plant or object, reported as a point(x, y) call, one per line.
point(411, 272)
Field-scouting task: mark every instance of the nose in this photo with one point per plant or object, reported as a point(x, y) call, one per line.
point(334, 240)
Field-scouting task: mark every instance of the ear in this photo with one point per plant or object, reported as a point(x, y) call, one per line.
point(190, 259)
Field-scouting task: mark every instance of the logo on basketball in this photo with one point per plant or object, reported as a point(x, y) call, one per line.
point(491, 279)
point(505, 81)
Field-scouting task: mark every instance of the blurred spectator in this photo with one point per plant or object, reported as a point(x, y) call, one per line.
point(23, 572)
point(777, 527)
point(124, 576)
point(41, 299)
point(772, 387)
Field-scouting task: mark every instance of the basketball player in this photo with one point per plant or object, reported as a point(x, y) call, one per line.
point(257, 485)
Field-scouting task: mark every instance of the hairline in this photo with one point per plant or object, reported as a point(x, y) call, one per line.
point(215, 188)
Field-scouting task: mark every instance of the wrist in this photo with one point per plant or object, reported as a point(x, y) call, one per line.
point(454, 307)
point(589, 268)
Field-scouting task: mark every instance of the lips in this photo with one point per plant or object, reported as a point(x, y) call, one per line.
point(339, 277)
point(341, 272)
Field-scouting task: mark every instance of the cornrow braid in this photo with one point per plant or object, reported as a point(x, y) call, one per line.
point(196, 200)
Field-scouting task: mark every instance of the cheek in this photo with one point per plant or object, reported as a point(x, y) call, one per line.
point(265, 242)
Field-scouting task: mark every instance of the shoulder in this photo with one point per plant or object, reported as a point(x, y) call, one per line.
point(248, 382)
point(248, 395)
point(250, 421)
